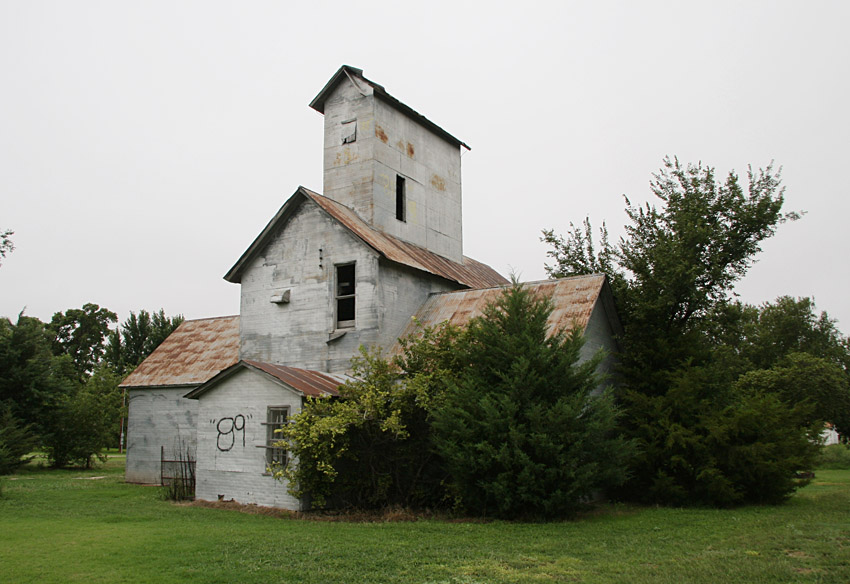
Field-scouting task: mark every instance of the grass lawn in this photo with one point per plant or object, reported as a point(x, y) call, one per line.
point(88, 526)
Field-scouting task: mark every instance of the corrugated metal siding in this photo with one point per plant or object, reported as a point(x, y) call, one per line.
point(312, 383)
point(195, 352)
point(471, 273)
point(573, 300)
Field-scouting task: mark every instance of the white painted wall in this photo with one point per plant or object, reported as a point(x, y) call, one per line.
point(156, 418)
point(599, 335)
point(302, 259)
point(362, 174)
point(231, 465)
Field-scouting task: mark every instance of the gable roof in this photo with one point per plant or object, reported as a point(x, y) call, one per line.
point(352, 73)
point(470, 273)
point(194, 353)
point(305, 381)
point(573, 302)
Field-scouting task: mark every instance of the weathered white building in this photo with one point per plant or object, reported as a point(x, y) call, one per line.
point(328, 274)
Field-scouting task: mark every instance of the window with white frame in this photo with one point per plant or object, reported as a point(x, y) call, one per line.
point(276, 419)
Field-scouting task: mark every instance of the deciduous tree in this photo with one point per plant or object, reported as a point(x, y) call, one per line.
point(673, 273)
point(80, 333)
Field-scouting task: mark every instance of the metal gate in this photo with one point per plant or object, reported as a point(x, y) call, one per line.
point(178, 472)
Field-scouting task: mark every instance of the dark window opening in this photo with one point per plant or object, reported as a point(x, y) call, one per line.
point(400, 203)
point(345, 296)
point(275, 421)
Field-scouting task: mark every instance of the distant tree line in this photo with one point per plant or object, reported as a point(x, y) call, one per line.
point(59, 381)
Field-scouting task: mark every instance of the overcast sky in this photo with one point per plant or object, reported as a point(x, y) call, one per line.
point(144, 145)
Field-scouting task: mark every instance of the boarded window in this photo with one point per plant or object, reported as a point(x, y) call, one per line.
point(349, 131)
point(400, 199)
point(345, 296)
point(275, 420)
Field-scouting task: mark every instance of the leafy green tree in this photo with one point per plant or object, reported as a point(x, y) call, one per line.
point(6, 245)
point(86, 422)
point(33, 381)
point(371, 447)
point(672, 276)
point(677, 262)
point(522, 430)
point(139, 335)
point(792, 325)
point(80, 333)
point(801, 377)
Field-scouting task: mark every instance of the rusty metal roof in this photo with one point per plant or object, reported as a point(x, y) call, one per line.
point(349, 72)
point(308, 382)
point(305, 381)
point(573, 302)
point(470, 273)
point(194, 353)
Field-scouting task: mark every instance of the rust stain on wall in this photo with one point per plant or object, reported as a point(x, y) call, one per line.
point(438, 182)
point(379, 132)
point(410, 151)
point(345, 157)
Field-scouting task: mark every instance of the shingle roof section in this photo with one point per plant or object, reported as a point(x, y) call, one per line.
point(194, 353)
point(573, 299)
point(470, 273)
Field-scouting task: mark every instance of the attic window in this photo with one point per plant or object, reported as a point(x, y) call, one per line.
point(349, 131)
point(400, 199)
point(345, 296)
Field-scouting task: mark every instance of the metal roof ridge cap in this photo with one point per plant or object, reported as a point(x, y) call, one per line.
point(318, 102)
point(209, 318)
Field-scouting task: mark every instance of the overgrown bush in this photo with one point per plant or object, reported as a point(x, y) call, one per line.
point(706, 441)
point(834, 457)
point(498, 420)
point(371, 447)
point(522, 430)
point(16, 442)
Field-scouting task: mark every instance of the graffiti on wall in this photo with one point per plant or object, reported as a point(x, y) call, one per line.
point(229, 431)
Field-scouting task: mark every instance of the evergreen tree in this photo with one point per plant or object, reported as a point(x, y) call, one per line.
point(522, 431)
point(137, 337)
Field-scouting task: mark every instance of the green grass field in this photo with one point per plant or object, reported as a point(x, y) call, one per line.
point(88, 526)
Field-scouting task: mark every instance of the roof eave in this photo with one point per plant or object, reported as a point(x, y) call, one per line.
point(318, 102)
point(160, 386)
point(234, 275)
point(346, 71)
